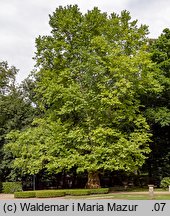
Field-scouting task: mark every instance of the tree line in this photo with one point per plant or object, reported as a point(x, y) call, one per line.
point(97, 101)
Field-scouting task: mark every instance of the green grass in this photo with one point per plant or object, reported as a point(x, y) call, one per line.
point(135, 189)
point(123, 196)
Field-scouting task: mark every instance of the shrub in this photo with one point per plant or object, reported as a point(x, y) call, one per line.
point(11, 187)
point(0, 187)
point(25, 194)
point(49, 194)
point(99, 191)
point(165, 182)
point(59, 193)
point(78, 192)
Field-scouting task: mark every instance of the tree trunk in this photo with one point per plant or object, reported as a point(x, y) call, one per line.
point(93, 180)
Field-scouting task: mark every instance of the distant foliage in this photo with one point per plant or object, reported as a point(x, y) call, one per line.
point(165, 183)
point(11, 187)
point(158, 109)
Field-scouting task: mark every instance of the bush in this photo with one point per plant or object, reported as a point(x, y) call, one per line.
point(165, 182)
point(49, 194)
point(78, 192)
point(0, 187)
point(25, 194)
point(11, 187)
point(59, 193)
point(99, 191)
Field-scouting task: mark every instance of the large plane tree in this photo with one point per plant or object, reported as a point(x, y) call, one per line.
point(91, 71)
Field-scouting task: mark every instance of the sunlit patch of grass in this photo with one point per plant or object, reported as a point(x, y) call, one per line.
point(123, 197)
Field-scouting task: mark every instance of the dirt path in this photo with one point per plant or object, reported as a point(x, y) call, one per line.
point(6, 196)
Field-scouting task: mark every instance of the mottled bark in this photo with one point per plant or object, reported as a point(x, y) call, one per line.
point(93, 180)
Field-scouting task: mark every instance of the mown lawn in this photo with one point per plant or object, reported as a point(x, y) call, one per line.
point(123, 196)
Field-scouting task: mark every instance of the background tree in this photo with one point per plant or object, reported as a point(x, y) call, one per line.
point(91, 72)
point(158, 110)
point(16, 112)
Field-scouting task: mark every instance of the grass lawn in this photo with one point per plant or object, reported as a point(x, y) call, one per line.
point(123, 196)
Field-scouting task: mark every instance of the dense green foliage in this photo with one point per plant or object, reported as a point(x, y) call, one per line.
point(92, 71)
point(58, 193)
point(11, 187)
point(47, 194)
point(25, 194)
point(165, 182)
point(101, 93)
point(158, 109)
point(0, 187)
point(99, 191)
point(16, 113)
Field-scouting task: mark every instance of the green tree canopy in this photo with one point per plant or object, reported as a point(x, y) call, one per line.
point(158, 108)
point(7, 77)
point(91, 72)
point(16, 112)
